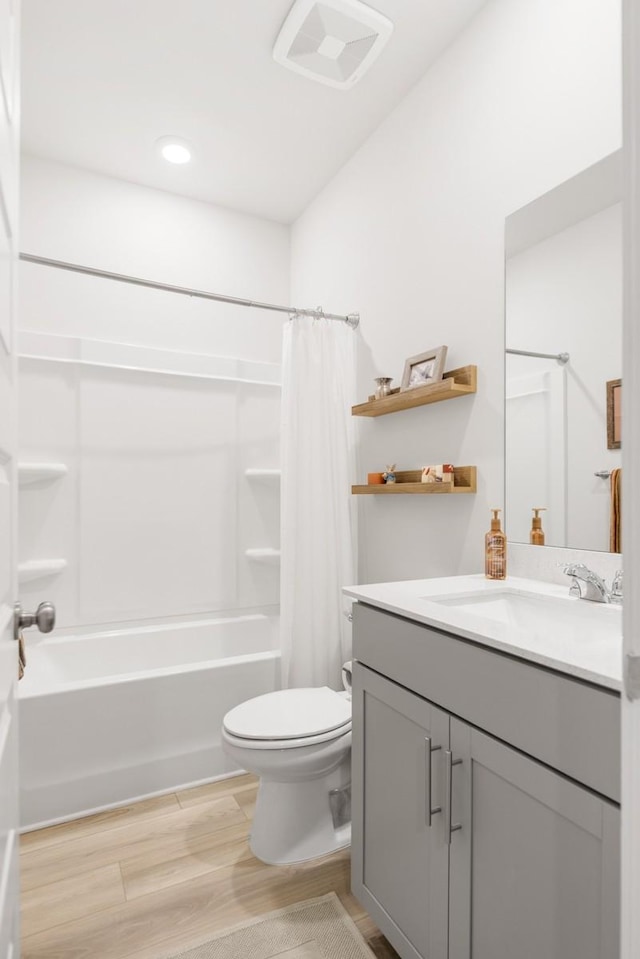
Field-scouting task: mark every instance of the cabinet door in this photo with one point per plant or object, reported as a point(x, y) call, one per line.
point(399, 854)
point(534, 864)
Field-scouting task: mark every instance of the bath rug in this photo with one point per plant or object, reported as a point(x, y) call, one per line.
point(314, 929)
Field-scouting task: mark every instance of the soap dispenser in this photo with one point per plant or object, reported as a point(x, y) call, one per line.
point(495, 550)
point(536, 536)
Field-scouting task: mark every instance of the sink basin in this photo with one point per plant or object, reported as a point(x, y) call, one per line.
point(537, 614)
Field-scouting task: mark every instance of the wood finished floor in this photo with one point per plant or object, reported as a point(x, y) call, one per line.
point(162, 875)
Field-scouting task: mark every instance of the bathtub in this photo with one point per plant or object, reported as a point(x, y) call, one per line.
point(115, 716)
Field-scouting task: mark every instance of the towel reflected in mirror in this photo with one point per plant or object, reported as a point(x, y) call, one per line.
point(615, 529)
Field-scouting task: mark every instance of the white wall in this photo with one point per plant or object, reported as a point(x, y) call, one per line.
point(565, 295)
point(410, 233)
point(71, 214)
point(155, 513)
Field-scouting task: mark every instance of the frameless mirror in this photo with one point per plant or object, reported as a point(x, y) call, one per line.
point(563, 347)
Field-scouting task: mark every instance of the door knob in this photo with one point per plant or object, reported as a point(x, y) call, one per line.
point(44, 618)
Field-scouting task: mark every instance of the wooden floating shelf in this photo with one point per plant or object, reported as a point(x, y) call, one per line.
point(408, 481)
point(460, 382)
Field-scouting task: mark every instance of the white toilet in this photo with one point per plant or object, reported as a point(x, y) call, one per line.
point(298, 741)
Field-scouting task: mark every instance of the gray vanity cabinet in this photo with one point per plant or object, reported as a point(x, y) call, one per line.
point(517, 859)
point(534, 868)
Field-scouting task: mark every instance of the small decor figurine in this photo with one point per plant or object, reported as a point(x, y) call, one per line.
point(389, 475)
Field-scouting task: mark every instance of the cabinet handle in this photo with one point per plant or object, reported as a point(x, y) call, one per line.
point(449, 763)
point(428, 749)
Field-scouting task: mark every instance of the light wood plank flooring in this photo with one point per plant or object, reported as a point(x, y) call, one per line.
point(159, 876)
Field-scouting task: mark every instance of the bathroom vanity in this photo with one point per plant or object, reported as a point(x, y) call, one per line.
point(486, 769)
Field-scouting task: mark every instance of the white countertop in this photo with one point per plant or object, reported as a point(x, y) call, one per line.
point(578, 637)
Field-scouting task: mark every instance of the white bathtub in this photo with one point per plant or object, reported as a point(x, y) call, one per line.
point(118, 715)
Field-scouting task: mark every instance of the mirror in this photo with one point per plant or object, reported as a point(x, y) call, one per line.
point(563, 350)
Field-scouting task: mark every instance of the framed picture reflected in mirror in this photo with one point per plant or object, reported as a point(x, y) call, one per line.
point(614, 414)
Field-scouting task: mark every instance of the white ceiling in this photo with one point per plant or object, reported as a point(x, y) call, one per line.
point(104, 79)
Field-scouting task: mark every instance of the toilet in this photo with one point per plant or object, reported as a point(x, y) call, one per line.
point(298, 741)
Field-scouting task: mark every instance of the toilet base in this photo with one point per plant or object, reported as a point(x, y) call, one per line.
point(293, 820)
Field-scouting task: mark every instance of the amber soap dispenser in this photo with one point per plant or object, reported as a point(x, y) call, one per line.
point(536, 536)
point(495, 550)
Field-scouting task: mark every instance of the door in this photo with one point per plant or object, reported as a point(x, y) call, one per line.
point(534, 865)
point(9, 933)
point(399, 856)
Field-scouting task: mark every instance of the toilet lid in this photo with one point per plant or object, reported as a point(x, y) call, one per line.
point(289, 714)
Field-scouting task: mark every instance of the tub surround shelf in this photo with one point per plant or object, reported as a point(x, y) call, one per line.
point(459, 382)
point(141, 359)
point(409, 481)
point(29, 473)
point(39, 568)
point(270, 474)
point(264, 555)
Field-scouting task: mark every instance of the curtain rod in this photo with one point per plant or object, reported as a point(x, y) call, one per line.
point(561, 358)
point(352, 319)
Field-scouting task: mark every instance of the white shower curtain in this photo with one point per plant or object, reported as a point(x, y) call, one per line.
point(318, 535)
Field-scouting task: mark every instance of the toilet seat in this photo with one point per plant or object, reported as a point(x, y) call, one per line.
point(289, 718)
point(298, 743)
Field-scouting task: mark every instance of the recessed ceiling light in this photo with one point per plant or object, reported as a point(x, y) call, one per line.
point(174, 149)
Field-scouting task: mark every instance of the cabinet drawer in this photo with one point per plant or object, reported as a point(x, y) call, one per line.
point(570, 725)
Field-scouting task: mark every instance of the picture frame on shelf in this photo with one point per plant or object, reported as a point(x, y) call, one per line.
point(423, 369)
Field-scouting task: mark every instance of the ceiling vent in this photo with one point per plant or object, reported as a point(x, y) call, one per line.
point(331, 41)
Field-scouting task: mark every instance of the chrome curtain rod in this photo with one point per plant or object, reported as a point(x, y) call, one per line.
point(352, 319)
point(561, 358)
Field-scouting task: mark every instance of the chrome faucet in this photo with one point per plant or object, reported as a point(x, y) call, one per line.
point(588, 585)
